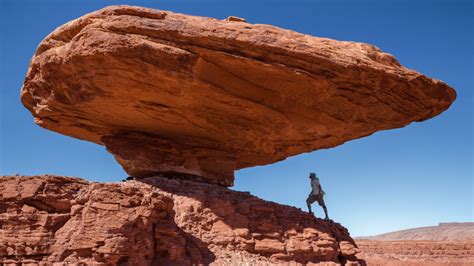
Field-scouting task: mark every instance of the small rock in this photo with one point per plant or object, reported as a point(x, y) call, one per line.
point(237, 19)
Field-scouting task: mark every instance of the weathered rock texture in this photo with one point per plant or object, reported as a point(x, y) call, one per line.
point(156, 221)
point(167, 92)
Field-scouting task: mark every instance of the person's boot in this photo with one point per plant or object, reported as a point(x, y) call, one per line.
point(127, 179)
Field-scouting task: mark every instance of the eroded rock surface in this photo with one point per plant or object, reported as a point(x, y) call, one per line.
point(156, 221)
point(167, 92)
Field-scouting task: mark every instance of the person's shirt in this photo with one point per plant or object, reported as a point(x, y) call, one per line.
point(315, 186)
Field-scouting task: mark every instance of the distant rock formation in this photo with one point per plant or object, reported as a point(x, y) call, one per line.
point(416, 252)
point(442, 232)
point(157, 221)
point(167, 93)
point(445, 244)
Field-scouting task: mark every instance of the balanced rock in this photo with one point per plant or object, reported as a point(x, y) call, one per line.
point(157, 221)
point(166, 92)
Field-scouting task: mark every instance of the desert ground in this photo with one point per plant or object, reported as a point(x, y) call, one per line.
point(445, 244)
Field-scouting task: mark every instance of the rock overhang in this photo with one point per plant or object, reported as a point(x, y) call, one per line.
point(167, 92)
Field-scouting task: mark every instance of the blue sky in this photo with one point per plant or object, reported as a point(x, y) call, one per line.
point(415, 176)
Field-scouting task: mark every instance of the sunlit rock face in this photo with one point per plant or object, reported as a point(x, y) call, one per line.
point(172, 93)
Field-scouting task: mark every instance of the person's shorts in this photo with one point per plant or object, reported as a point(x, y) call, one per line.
point(319, 198)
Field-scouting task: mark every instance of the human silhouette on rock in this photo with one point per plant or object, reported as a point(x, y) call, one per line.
point(316, 194)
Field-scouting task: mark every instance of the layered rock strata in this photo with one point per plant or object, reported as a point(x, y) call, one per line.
point(160, 221)
point(167, 92)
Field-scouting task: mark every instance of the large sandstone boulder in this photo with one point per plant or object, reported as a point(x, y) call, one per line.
point(157, 221)
point(166, 92)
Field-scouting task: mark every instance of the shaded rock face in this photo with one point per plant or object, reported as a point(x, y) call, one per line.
point(166, 92)
point(158, 221)
point(59, 219)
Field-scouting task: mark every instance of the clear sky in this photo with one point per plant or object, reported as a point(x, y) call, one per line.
point(415, 176)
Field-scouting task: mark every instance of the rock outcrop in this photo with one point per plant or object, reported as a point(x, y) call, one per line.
point(166, 92)
point(157, 221)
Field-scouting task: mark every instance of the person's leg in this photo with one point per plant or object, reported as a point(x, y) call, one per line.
point(322, 204)
point(308, 203)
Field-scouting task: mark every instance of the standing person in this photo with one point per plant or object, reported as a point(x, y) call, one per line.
point(317, 194)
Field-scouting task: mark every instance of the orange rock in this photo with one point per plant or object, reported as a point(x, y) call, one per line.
point(269, 245)
point(155, 221)
point(166, 92)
